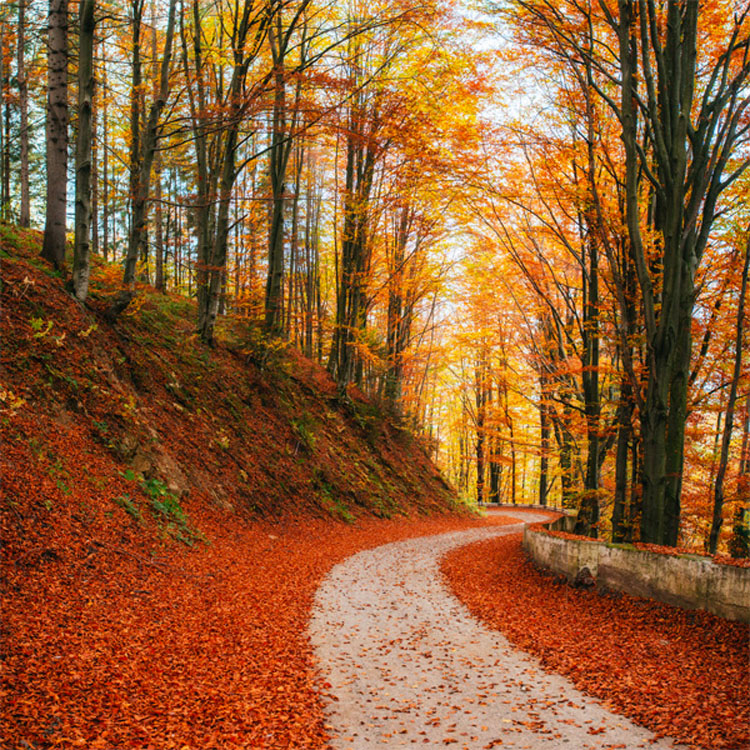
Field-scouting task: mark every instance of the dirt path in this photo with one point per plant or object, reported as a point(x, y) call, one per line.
point(408, 665)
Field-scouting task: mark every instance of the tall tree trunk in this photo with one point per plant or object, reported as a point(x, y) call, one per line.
point(143, 178)
point(159, 252)
point(624, 433)
point(399, 316)
point(4, 82)
point(512, 443)
point(105, 165)
point(355, 245)
point(278, 159)
point(82, 246)
point(282, 139)
point(713, 539)
point(53, 245)
point(480, 397)
point(588, 512)
point(95, 147)
point(544, 438)
point(24, 218)
point(218, 258)
point(5, 207)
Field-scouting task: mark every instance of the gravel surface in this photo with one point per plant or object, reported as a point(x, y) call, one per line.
point(408, 664)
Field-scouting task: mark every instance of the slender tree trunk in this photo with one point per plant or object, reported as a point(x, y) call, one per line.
point(512, 442)
point(588, 513)
point(479, 448)
point(95, 147)
point(24, 218)
point(217, 271)
point(143, 178)
point(159, 277)
point(4, 81)
point(53, 245)
point(344, 364)
point(544, 438)
point(274, 305)
point(280, 150)
point(744, 468)
point(105, 164)
point(624, 433)
point(5, 208)
point(713, 539)
point(82, 246)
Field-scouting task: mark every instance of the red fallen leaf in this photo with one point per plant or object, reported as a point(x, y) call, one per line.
point(215, 654)
point(681, 673)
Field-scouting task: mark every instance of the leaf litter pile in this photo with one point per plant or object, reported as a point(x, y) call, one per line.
point(681, 673)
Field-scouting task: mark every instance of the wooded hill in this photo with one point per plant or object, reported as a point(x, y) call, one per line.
point(526, 226)
point(167, 513)
point(140, 425)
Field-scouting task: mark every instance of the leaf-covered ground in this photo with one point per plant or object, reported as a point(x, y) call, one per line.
point(154, 595)
point(202, 648)
point(146, 603)
point(681, 673)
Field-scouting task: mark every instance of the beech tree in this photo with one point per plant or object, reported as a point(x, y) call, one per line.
point(692, 137)
point(83, 211)
point(683, 118)
point(53, 247)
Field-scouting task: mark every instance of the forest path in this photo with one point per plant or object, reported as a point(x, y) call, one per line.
point(409, 665)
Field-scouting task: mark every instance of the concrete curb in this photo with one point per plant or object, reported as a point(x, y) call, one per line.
point(687, 581)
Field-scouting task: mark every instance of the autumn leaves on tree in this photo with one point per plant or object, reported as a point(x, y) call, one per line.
point(524, 227)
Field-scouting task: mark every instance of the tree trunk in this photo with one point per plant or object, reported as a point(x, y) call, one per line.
point(53, 245)
point(713, 539)
point(24, 218)
point(143, 178)
point(105, 165)
point(218, 260)
point(159, 277)
point(355, 249)
point(544, 437)
point(278, 159)
point(82, 246)
point(624, 432)
point(5, 207)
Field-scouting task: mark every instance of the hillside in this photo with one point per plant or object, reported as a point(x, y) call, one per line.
point(95, 413)
point(167, 514)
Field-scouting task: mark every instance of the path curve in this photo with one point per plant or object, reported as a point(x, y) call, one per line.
point(409, 665)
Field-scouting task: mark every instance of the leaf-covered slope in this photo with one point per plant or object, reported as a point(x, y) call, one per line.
point(137, 422)
point(121, 441)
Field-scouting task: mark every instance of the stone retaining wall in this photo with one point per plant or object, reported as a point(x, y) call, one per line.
point(688, 581)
